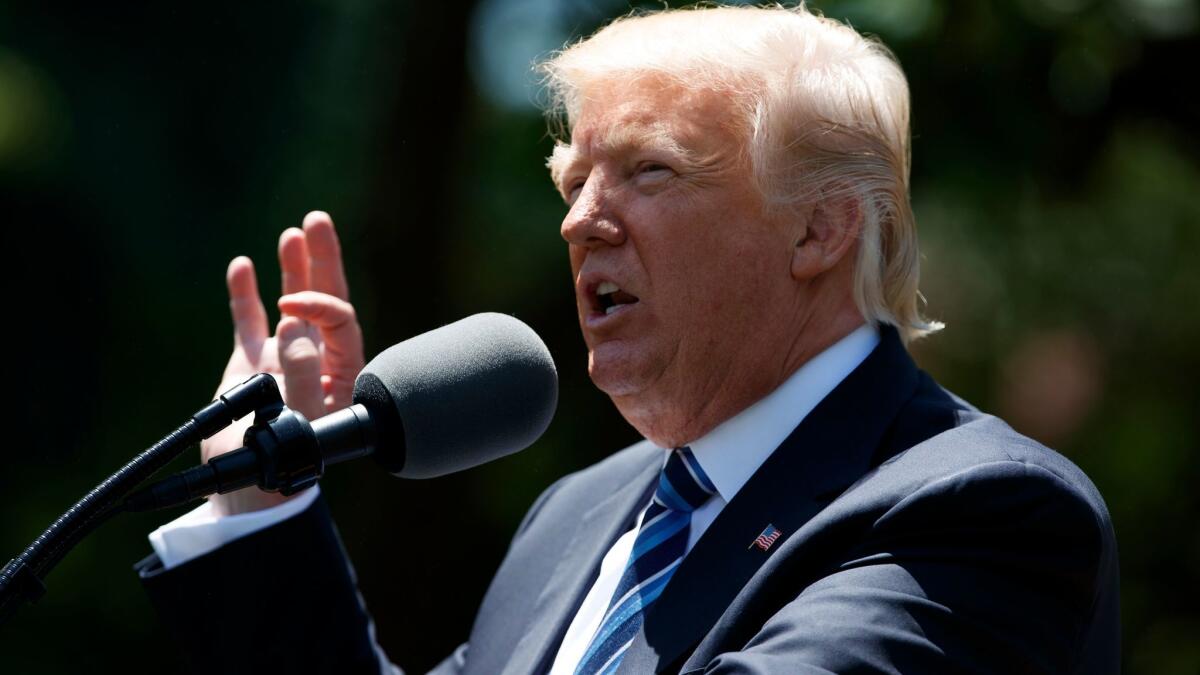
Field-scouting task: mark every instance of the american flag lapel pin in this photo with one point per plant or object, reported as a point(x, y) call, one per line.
point(768, 537)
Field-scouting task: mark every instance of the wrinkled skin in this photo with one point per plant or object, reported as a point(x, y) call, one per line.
point(731, 299)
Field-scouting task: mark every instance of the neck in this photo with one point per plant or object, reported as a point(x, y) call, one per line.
point(702, 405)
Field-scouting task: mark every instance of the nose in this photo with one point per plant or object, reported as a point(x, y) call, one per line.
point(593, 220)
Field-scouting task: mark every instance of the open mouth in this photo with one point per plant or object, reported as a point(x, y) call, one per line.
point(609, 298)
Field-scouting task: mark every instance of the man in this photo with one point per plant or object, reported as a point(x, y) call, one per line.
point(806, 500)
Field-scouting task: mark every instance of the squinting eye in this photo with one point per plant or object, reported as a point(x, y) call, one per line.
point(652, 175)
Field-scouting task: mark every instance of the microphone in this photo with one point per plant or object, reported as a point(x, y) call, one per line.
point(456, 397)
point(476, 390)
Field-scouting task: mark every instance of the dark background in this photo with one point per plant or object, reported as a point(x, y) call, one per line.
point(142, 145)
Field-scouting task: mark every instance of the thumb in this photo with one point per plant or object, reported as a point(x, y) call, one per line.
point(300, 360)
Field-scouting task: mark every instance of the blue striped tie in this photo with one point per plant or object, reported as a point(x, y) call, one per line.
point(682, 488)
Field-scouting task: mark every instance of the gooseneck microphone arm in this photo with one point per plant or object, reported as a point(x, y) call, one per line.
point(21, 578)
point(283, 454)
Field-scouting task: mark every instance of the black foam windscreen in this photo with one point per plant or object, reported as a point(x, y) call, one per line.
point(458, 396)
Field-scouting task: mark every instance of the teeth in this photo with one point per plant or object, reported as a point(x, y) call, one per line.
point(606, 288)
point(612, 309)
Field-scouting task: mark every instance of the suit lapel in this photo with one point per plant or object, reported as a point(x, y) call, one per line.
point(825, 454)
point(576, 571)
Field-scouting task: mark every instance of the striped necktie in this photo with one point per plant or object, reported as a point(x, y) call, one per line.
point(682, 488)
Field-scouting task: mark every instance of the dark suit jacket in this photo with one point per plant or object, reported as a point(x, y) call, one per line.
point(919, 536)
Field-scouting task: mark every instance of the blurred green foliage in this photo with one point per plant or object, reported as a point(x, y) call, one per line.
point(142, 145)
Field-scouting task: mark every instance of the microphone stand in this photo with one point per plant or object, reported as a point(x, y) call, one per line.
point(21, 579)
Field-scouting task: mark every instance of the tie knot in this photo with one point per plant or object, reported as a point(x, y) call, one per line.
point(683, 485)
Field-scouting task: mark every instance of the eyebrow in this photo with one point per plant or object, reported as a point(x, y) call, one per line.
point(620, 141)
point(626, 139)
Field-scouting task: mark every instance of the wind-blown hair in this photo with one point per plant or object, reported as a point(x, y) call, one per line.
point(825, 110)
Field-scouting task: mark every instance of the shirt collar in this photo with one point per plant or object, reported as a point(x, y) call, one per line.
point(733, 451)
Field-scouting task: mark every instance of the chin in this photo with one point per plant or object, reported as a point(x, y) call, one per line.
point(627, 381)
point(614, 379)
point(619, 368)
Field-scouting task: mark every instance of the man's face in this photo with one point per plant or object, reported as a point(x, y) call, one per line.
point(681, 280)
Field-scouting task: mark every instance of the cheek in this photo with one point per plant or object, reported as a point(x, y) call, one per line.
point(723, 285)
point(706, 260)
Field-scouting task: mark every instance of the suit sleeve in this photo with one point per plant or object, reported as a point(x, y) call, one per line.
point(1005, 568)
point(283, 599)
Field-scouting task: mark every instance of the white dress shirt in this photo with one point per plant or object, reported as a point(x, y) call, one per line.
point(199, 531)
point(729, 454)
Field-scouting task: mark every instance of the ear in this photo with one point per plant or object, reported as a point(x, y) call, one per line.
point(832, 229)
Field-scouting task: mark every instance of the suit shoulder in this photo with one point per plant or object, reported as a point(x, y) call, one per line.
point(981, 439)
point(982, 474)
point(937, 434)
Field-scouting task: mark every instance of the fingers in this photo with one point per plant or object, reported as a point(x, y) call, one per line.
point(325, 272)
point(333, 316)
point(341, 337)
point(293, 260)
point(300, 360)
point(245, 304)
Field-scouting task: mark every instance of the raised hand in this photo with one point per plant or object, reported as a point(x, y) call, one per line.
point(316, 351)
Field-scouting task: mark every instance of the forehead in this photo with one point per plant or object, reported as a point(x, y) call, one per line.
point(622, 116)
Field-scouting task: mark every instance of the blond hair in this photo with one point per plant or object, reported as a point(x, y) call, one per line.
point(825, 109)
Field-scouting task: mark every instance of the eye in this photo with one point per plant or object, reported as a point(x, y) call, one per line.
point(652, 174)
point(572, 188)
